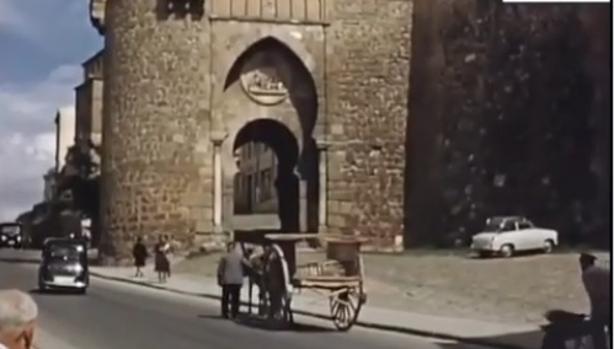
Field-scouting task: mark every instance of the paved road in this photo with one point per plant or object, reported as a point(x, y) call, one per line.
point(115, 315)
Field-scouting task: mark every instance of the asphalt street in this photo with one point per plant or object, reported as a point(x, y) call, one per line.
point(116, 315)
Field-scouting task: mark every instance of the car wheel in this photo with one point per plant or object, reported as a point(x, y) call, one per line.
point(507, 251)
point(548, 246)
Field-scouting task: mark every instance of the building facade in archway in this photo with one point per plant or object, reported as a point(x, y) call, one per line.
point(323, 83)
point(254, 187)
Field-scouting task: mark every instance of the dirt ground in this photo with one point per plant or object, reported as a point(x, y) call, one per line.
point(454, 283)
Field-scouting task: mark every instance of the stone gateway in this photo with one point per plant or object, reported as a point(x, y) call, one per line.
point(324, 83)
point(196, 92)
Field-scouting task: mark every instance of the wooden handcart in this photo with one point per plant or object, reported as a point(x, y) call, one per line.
point(340, 276)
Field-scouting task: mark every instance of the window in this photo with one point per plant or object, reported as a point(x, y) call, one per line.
point(524, 225)
point(238, 183)
point(509, 226)
point(266, 184)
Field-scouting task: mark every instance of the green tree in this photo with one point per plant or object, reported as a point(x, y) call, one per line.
point(81, 177)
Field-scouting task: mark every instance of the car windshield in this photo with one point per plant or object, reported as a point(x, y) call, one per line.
point(64, 253)
point(10, 230)
point(493, 225)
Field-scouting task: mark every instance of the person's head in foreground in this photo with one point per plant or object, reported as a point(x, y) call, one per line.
point(18, 313)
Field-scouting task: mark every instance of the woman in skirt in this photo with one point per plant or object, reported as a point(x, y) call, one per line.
point(162, 265)
point(139, 253)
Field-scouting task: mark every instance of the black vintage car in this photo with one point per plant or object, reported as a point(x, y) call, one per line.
point(10, 235)
point(64, 265)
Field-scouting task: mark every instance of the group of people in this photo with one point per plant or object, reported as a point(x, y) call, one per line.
point(162, 250)
point(264, 269)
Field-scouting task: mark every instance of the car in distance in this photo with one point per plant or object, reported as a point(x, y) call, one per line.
point(64, 265)
point(506, 235)
point(10, 235)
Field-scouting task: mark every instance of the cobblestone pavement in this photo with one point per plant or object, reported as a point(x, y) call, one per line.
point(453, 283)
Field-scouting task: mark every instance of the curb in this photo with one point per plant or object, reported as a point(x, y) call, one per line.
point(20, 260)
point(365, 324)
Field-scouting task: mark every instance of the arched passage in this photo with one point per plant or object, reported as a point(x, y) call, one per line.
point(269, 97)
point(251, 180)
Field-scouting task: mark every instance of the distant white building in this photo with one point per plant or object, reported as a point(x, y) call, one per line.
point(64, 134)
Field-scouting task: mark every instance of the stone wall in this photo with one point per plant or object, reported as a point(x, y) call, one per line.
point(501, 107)
point(368, 50)
point(424, 170)
point(405, 165)
point(167, 91)
point(83, 127)
point(596, 22)
point(157, 165)
point(96, 110)
point(88, 107)
point(285, 10)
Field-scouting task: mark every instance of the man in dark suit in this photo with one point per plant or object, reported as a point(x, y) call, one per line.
point(230, 278)
point(597, 283)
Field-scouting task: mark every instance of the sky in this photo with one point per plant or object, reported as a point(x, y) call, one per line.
point(42, 46)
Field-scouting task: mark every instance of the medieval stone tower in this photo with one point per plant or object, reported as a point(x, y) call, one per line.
point(324, 83)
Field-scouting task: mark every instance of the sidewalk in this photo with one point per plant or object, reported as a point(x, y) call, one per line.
point(310, 304)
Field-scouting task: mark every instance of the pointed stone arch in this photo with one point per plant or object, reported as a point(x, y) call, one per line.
point(292, 102)
point(301, 75)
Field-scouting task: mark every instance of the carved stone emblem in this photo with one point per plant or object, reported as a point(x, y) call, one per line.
point(264, 86)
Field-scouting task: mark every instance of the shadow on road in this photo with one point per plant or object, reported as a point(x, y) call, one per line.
point(256, 322)
point(524, 340)
point(54, 292)
point(264, 324)
point(564, 329)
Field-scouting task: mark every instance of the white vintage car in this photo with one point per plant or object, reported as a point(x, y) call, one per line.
point(506, 235)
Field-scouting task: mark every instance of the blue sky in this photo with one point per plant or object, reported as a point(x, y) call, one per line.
point(42, 45)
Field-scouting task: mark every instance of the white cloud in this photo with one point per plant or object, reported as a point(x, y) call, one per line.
point(33, 105)
point(9, 15)
point(27, 136)
point(56, 29)
point(24, 161)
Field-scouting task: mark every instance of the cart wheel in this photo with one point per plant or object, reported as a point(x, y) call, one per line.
point(344, 309)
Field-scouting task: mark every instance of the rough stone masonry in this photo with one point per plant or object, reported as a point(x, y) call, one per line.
point(325, 83)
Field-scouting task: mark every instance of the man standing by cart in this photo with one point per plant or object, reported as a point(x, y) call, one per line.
point(273, 281)
point(597, 283)
point(230, 278)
